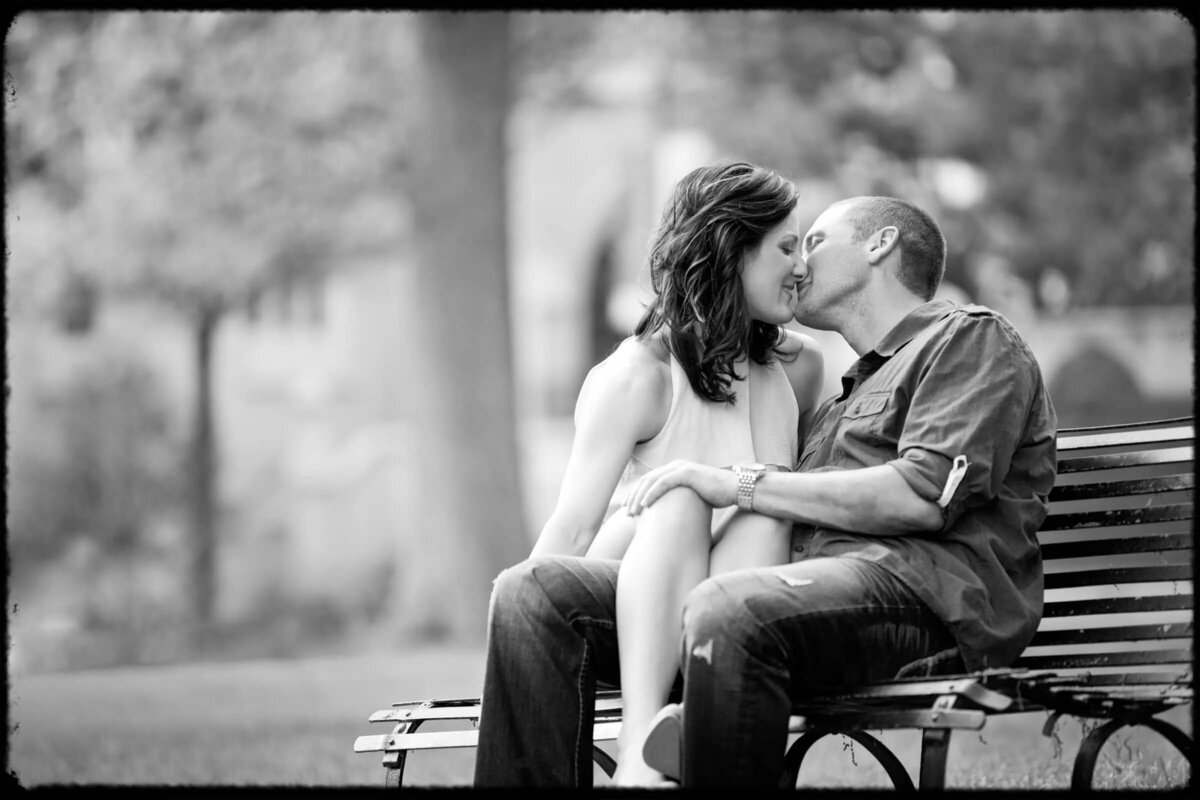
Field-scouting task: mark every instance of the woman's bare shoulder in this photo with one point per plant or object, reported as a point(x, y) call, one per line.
point(637, 356)
point(633, 384)
point(636, 365)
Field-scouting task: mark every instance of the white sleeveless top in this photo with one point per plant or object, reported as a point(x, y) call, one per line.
point(761, 425)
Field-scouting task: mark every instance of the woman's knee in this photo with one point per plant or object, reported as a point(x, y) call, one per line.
point(682, 498)
point(679, 510)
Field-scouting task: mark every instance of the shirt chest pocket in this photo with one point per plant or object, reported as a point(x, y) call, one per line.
point(866, 418)
point(871, 404)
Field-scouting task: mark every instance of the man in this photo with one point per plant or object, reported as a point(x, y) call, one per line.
point(916, 503)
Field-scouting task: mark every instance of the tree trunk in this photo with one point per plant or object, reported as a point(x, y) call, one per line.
point(203, 468)
point(467, 520)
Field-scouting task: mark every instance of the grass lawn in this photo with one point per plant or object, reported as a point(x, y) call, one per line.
point(294, 723)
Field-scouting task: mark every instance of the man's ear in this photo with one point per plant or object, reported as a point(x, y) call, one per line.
point(882, 243)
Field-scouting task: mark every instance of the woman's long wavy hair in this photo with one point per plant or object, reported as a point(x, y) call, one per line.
point(716, 215)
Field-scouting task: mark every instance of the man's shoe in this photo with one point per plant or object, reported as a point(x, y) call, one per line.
point(663, 749)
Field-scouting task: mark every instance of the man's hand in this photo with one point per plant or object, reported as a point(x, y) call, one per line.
point(716, 486)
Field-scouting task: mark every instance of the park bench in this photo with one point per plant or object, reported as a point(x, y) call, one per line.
point(1114, 646)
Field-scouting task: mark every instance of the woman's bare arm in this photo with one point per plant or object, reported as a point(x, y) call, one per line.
point(624, 400)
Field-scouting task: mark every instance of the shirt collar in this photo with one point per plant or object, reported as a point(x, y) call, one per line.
point(905, 330)
point(913, 323)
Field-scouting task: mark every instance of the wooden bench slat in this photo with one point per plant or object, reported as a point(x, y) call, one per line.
point(1115, 517)
point(1088, 441)
point(1173, 455)
point(1126, 488)
point(416, 741)
point(925, 690)
point(1155, 543)
point(1105, 659)
point(411, 712)
point(419, 713)
point(1126, 633)
point(447, 703)
point(1146, 424)
point(1079, 535)
point(969, 719)
point(1118, 575)
point(1119, 679)
point(1118, 605)
point(1099, 694)
point(1149, 689)
point(437, 740)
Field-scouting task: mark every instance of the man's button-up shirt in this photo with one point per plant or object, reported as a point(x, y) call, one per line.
point(950, 381)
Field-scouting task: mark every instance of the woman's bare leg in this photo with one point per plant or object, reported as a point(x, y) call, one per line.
point(667, 558)
point(614, 536)
point(750, 540)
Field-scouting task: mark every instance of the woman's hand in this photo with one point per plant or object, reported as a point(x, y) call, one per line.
point(716, 486)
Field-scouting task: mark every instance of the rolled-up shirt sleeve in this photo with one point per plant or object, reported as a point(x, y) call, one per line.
point(973, 400)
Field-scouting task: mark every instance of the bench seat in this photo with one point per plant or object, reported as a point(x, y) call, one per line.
point(1114, 644)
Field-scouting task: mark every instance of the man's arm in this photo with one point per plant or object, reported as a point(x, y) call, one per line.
point(964, 406)
point(876, 501)
point(872, 500)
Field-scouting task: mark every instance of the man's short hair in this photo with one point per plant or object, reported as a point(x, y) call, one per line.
point(922, 244)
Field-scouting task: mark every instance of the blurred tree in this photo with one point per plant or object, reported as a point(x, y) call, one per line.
point(103, 464)
point(1080, 122)
point(1085, 124)
point(467, 482)
point(183, 157)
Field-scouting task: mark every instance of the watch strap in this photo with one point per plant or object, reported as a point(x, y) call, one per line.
point(747, 479)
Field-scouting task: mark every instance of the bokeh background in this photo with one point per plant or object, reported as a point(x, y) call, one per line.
point(298, 303)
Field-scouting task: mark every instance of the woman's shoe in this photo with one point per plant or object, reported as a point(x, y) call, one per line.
point(663, 749)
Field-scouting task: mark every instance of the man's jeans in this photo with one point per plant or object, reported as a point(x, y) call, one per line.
point(752, 640)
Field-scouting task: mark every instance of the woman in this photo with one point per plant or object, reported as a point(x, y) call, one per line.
point(710, 376)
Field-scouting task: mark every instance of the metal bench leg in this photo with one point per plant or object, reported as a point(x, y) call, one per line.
point(394, 777)
point(935, 747)
point(1089, 750)
point(1182, 742)
point(394, 763)
point(886, 758)
point(603, 760)
point(794, 757)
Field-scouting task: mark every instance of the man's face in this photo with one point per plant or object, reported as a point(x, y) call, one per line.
point(833, 268)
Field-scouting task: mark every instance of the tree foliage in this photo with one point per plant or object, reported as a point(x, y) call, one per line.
point(198, 159)
point(1081, 122)
point(103, 465)
point(191, 154)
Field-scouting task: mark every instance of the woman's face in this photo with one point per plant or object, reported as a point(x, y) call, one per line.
point(768, 273)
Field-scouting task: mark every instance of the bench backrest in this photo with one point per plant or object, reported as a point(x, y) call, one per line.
point(1117, 548)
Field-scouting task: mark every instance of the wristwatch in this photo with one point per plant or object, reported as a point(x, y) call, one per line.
point(747, 475)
